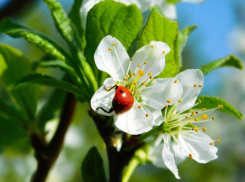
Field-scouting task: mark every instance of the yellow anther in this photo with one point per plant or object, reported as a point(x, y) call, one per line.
point(193, 113)
point(141, 73)
point(180, 100)
point(135, 83)
point(126, 79)
point(107, 89)
point(139, 106)
point(186, 117)
point(147, 115)
point(149, 73)
point(221, 106)
point(151, 46)
point(138, 65)
point(218, 141)
point(195, 119)
point(212, 143)
point(200, 85)
point(114, 44)
point(199, 102)
point(190, 156)
point(143, 83)
point(213, 118)
point(135, 90)
point(169, 101)
point(203, 109)
point(163, 52)
point(175, 81)
point(203, 128)
point(204, 116)
point(127, 75)
point(109, 49)
point(189, 123)
point(166, 106)
point(146, 84)
point(131, 59)
point(197, 129)
point(145, 62)
point(150, 77)
point(197, 112)
point(134, 73)
point(195, 85)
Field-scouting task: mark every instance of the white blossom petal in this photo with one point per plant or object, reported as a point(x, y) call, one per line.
point(154, 56)
point(168, 157)
point(169, 10)
point(157, 116)
point(86, 6)
point(135, 120)
point(156, 155)
point(192, 1)
point(192, 82)
point(112, 58)
point(103, 98)
point(198, 145)
point(162, 92)
point(143, 5)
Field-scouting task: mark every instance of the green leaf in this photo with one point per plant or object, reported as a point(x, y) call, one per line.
point(92, 168)
point(184, 35)
point(15, 30)
point(67, 31)
point(115, 19)
point(75, 17)
point(160, 28)
point(46, 81)
point(209, 102)
point(12, 112)
point(57, 64)
point(13, 66)
point(63, 24)
point(52, 105)
point(230, 60)
point(173, 1)
point(13, 136)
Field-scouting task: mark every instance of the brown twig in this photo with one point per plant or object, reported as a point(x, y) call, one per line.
point(117, 159)
point(46, 154)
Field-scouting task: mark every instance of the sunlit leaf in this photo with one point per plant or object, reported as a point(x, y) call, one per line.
point(230, 60)
point(15, 30)
point(160, 28)
point(209, 102)
point(115, 19)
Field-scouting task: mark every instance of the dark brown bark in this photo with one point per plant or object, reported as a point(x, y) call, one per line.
point(117, 159)
point(46, 154)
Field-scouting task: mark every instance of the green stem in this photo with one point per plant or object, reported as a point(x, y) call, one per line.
point(128, 171)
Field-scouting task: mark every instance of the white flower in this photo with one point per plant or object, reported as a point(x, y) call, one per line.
point(134, 80)
point(180, 135)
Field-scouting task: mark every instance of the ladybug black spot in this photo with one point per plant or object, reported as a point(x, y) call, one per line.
point(121, 91)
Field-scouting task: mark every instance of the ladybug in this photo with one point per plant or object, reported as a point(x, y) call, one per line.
point(122, 101)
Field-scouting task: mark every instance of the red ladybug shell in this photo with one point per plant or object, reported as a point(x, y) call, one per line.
point(123, 100)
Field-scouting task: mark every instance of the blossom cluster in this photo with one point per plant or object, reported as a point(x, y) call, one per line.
point(139, 101)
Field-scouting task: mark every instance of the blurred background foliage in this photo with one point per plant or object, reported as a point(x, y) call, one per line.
point(221, 32)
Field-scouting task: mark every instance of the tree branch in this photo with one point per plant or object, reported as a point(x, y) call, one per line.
point(46, 154)
point(117, 159)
